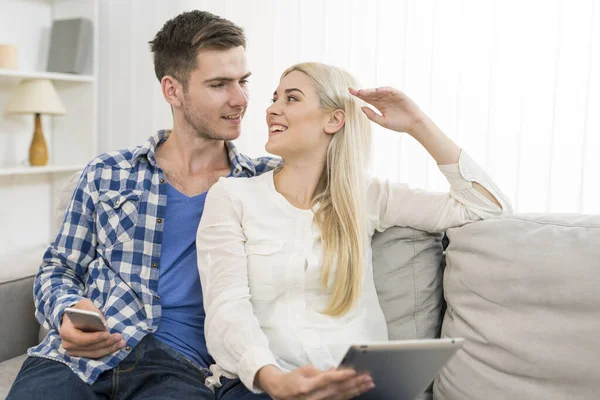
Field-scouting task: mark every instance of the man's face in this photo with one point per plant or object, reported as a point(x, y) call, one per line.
point(217, 94)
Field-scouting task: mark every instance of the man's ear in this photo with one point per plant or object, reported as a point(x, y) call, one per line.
point(172, 90)
point(337, 119)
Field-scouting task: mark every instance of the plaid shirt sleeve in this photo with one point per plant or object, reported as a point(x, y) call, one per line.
point(60, 281)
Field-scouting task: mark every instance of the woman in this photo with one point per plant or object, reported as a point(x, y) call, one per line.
point(285, 257)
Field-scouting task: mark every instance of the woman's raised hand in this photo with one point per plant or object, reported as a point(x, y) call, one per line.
point(397, 111)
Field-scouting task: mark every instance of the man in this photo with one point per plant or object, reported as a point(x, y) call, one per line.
point(126, 248)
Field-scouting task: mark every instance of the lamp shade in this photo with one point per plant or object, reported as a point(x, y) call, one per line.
point(35, 96)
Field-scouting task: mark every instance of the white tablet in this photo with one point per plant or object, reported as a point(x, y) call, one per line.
point(401, 370)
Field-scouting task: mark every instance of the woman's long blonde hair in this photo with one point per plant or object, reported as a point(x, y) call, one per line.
point(341, 214)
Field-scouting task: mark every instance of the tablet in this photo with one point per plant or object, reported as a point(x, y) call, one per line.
point(401, 370)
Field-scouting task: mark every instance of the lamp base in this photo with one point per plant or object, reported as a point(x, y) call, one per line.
point(38, 151)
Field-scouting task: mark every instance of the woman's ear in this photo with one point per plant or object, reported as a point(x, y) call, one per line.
point(336, 122)
point(172, 90)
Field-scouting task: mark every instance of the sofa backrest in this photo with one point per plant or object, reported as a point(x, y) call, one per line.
point(524, 290)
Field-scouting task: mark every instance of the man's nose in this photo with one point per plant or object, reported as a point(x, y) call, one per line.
point(239, 97)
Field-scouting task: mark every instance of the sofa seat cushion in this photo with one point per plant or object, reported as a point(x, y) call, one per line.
point(524, 290)
point(8, 372)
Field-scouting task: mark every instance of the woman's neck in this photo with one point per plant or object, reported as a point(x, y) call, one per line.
point(299, 181)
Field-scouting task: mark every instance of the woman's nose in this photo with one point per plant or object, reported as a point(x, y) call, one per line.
point(274, 109)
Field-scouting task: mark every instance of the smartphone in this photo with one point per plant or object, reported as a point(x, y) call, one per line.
point(86, 321)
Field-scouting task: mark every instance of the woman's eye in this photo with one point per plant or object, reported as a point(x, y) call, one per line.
point(289, 98)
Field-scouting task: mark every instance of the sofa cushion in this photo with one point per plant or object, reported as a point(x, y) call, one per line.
point(407, 270)
point(408, 279)
point(524, 292)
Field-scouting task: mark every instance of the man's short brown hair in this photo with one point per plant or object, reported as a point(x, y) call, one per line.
point(177, 44)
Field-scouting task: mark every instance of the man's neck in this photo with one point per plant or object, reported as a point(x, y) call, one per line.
point(191, 164)
point(192, 155)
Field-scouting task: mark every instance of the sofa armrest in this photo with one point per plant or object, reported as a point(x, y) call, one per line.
point(19, 329)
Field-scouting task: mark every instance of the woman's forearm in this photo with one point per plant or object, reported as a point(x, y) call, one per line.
point(267, 378)
point(443, 150)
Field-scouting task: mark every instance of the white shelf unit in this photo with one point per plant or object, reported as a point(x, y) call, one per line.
point(28, 194)
point(16, 75)
point(47, 169)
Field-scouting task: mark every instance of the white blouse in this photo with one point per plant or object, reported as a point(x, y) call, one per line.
point(260, 261)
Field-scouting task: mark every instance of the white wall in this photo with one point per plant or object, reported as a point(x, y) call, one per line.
point(515, 82)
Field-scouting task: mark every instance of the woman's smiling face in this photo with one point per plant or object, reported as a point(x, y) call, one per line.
point(296, 120)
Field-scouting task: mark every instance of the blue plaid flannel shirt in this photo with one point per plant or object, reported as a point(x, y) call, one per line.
point(108, 249)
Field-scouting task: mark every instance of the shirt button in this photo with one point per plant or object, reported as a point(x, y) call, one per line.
point(128, 348)
point(156, 297)
point(251, 248)
point(298, 317)
point(162, 181)
point(150, 330)
point(297, 286)
point(159, 220)
point(117, 203)
point(155, 265)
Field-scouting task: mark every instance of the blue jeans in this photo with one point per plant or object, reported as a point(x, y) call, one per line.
point(234, 389)
point(153, 370)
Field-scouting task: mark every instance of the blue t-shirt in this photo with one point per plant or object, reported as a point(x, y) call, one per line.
point(182, 321)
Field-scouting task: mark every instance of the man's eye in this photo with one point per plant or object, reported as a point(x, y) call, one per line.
point(218, 85)
point(244, 81)
point(273, 100)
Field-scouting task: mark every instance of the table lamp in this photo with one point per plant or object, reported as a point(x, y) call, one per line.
point(36, 96)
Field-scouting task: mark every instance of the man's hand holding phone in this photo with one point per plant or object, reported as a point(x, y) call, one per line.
point(87, 339)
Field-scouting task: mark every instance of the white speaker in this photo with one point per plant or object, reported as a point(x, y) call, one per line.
point(71, 46)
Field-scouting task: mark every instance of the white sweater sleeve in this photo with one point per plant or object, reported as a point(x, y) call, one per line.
point(233, 334)
point(393, 204)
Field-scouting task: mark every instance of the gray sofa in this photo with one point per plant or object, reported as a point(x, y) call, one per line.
point(18, 327)
point(524, 290)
